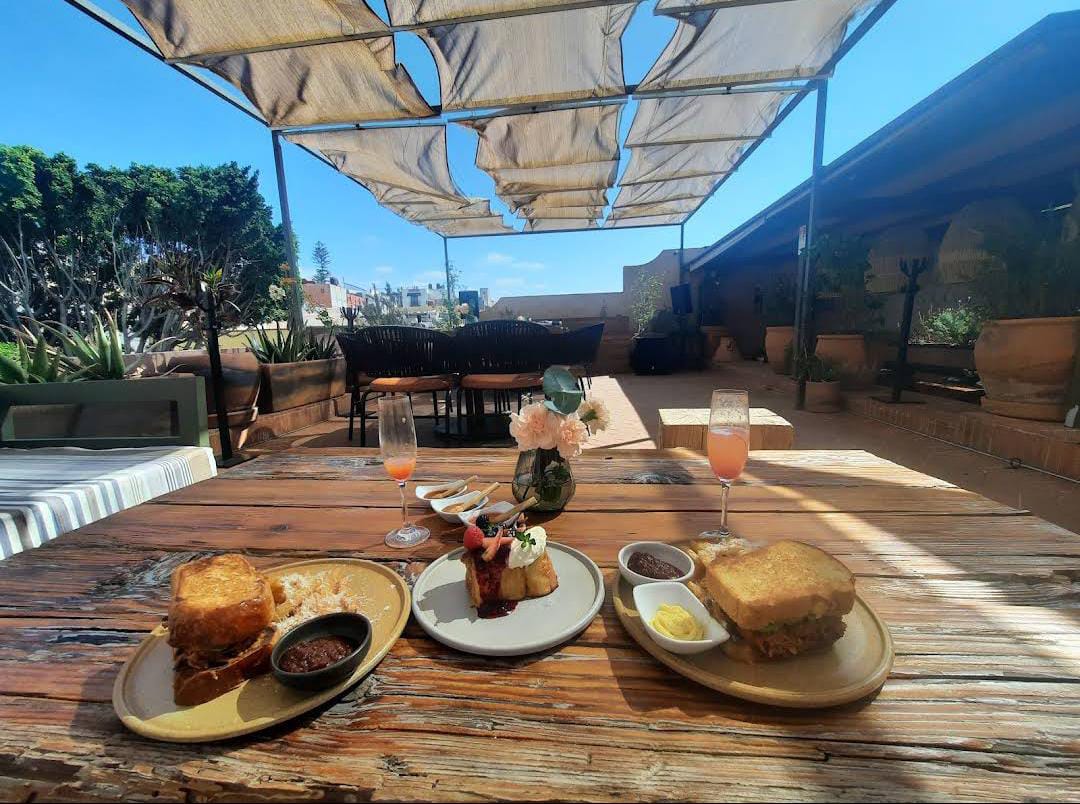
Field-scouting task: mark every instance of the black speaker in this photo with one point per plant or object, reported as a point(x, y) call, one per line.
point(680, 300)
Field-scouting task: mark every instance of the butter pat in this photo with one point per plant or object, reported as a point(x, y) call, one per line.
point(675, 622)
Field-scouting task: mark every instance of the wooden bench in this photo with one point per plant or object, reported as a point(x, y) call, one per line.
point(686, 427)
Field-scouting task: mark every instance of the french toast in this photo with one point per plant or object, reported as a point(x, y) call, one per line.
point(218, 602)
point(517, 583)
point(196, 681)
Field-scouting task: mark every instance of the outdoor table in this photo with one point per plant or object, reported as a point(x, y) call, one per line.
point(983, 701)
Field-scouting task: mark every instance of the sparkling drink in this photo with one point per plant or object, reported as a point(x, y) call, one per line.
point(728, 448)
point(400, 468)
point(397, 444)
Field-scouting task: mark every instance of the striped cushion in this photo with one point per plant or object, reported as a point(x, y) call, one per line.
point(46, 492)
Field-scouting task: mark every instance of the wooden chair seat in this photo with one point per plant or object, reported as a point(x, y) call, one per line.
point(410, 385)
point(502, 382)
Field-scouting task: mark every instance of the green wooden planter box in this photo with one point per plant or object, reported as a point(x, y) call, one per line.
point(63, 413)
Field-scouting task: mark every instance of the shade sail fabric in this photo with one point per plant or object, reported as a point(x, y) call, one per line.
point(751, 43)
point(475, 208)
point(471, 226)
point(658, 192)
point(184, 28)
point(702, 118)
point(522, 181)
point(558, 225)
point(423, 12)
point(585, 213)
point(684, 205)
point(557, 199)
point(657, 220)
point(562, 55)
point(409, 158)
point(654, 163)
point(543, 139)
point(344, 82)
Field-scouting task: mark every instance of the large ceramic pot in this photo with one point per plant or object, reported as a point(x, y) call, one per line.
point(777, 340)
point(850, 355)
point(1025, 365)
point(654, 354)
point(545, 474)
point(823, 397)
point(290, 385)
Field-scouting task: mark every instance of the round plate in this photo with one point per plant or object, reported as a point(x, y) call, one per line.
point(442, 607)
point(853, 667)
point(143, 696)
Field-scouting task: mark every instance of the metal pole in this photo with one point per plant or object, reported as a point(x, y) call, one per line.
point(296, 304)
point(682, 243)
point(446, 264)
point(805, 289)
point(217, 378)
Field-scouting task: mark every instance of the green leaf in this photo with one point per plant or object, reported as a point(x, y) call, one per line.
point(11, 373)
point(562, 391)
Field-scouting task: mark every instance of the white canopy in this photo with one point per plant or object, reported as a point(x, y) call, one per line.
point(702, 118)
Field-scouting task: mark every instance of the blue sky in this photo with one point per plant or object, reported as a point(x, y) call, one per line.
point(73, 86)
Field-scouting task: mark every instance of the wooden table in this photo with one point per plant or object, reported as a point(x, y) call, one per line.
point(984, 700)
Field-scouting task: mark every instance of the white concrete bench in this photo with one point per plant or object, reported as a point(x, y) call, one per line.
point(687, 427)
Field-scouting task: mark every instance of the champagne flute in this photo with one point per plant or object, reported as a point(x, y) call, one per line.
point(728, 443)
point(397, 444)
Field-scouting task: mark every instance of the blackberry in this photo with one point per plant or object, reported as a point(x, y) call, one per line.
point(483, 522)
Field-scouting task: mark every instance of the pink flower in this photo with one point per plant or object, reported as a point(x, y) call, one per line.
point(571, 436)
point(535, 427)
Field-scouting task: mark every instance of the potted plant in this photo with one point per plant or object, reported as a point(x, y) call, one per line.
point(298, 367)
point(842, 266)
point(1030, 286)
point(653, 350)
point(548, 435)
point(822, 377)
point(779, 331)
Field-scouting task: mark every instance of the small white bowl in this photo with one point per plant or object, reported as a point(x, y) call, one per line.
point(650, 596)
point(468, 517)
point(440, 506)
point(430, 487)
point(665, 552)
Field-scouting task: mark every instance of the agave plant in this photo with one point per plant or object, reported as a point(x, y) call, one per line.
point(35, 360)
point(321, 347)
point(98, 356)
point(276, 346)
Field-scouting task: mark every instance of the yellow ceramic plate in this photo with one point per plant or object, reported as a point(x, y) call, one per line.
point(143, 698)
point(856, 665)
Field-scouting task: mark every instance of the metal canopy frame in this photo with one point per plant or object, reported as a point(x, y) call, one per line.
point(798, 89)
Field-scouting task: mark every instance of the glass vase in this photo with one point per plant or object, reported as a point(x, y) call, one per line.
point(546, 474)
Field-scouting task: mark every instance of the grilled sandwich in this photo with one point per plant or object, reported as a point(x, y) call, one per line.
point(783, 600)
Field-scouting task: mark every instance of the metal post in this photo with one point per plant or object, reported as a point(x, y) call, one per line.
point(217, 378)
point(805, 289)
point(296, 303)
point(682, 243)
point(446, 264)
point(901, 371)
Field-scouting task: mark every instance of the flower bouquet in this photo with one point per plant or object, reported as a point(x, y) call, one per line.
point(549, 434)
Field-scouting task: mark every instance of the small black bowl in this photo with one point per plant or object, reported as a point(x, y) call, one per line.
point(354, 627)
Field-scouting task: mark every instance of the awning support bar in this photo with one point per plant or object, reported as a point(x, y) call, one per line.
point(296, 297)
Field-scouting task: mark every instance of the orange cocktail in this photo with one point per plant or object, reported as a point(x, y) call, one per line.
point(400, 468)
point(728, 448)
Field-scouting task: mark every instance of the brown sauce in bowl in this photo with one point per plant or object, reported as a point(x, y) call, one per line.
point(652, 567)
point(315, 654)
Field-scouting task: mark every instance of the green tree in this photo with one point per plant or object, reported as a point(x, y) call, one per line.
point(321, 255)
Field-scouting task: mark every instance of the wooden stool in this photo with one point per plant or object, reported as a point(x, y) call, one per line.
point(687, 427)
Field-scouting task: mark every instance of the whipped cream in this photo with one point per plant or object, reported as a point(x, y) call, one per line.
point(521, 554)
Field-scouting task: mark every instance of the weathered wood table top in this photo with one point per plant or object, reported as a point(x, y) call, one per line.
point(983, 701)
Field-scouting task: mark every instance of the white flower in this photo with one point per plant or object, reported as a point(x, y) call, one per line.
point(535, 427)
point(277, 293)
point(595, 414)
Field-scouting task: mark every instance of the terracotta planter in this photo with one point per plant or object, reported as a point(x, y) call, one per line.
point(290, 385)
point(1026, 364)
point(714, 334)
point(823, 397)
point(777, 340)
point(850, 355)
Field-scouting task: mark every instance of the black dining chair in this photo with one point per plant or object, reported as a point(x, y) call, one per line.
point(577, 350)
point(396, 360)
point(504, 357)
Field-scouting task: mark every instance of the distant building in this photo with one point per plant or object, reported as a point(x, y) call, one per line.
point(485, 298)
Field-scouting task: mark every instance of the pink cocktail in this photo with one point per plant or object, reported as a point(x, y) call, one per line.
point(728, 443)
point(728, 448)
point(401, 469)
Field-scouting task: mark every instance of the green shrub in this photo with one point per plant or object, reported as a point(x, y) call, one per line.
point(816, 369)
point(958, 325)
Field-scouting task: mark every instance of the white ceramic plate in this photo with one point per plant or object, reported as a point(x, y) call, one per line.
point(441, 605)
point(427, 488)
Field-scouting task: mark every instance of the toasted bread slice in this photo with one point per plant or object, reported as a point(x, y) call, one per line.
point(218, 602)
point(194, 685)
point(781, 583)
